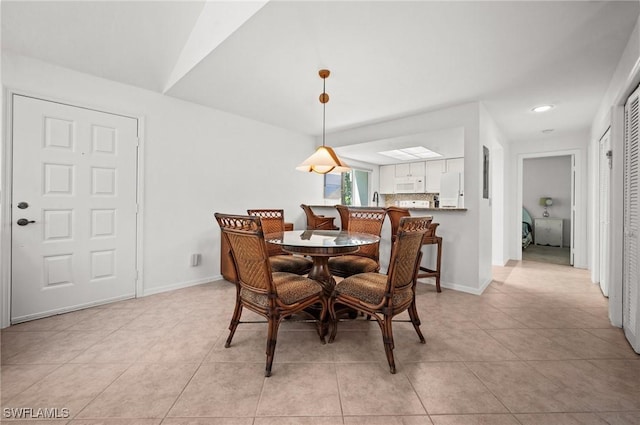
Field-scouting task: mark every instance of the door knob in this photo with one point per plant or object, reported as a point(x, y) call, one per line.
point(24, 222)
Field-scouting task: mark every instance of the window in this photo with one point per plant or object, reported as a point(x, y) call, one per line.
point(352, 188)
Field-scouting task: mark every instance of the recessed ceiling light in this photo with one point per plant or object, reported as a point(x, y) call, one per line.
point(542, 108)
point(547, 130)
point(408, 154)
point(398, 154)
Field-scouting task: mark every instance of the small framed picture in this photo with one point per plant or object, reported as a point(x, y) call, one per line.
point(485, 172)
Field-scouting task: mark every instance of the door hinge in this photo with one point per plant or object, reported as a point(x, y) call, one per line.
point(609, 156)
point(137, 141)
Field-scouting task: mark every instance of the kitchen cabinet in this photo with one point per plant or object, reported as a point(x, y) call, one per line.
point(548, 231)
point(387, 179)
point(433, 174)
point(455, 165)
point(412, 169)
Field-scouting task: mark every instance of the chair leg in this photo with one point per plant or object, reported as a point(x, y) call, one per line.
point(415, 320)
point(235, 320)
point(438, 262)
point(387, 339)
point(333, 321)
point(272, 336)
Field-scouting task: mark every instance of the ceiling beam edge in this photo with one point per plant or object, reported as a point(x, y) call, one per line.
point(217, 21)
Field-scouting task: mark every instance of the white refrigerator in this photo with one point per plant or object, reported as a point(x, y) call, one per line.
point(451, 195)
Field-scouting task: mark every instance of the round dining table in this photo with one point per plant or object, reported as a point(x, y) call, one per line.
point(320, 245)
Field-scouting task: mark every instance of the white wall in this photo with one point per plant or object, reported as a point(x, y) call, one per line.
point(197, 161)
point(625, 79)
point(493, 209)
point(464, 266)
point(499, 251)
point(566, 144)
point(549, 177)
point(5, 294)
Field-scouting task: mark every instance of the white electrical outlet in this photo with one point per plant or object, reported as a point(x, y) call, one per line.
point(195, 260)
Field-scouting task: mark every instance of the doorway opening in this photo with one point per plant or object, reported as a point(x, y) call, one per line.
point(548, 209)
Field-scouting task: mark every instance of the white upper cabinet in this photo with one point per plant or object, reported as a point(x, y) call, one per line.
point(431, 171)
point(433, 174)
point(455, 165)
point(412, 169)
point(387, 179)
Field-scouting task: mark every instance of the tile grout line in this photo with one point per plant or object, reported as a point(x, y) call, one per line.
point(419, 398)
point(335, 367)
point(130, 365)
point(190, 379)
point(484, 384)
point(104, 389)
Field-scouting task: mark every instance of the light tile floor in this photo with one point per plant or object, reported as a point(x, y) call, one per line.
point(536, 348)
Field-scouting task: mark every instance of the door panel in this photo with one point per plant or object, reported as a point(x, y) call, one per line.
point(76, 170)
point(572, 233)
point(631, 213)
point(604, 176)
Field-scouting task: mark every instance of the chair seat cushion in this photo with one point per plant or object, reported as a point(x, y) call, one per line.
point(291, 289)
point(370, 287)
point(348, 265)
point(290, 264)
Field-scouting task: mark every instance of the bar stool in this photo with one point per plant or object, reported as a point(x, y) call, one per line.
point(430, 238)
point(319, 222)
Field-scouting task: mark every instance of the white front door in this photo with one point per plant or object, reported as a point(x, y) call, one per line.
point(73, 208)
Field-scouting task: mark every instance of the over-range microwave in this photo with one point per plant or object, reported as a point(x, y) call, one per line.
point(409, 185)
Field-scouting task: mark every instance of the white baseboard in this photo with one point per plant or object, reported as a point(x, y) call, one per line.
point(48, 313)
point(180, 285)
point(458, 287)
point(500, 263)
point(485, 285)
point(150, 291)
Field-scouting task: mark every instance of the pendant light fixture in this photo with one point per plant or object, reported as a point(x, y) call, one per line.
point(324, 160)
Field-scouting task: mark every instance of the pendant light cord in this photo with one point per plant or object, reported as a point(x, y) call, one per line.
point(324, 107)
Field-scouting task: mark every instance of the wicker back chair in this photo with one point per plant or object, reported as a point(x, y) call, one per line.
point(367, 259)
point(273, 222)
point(430, 238)
point(318, 222)
point(274, 296)
point(385, 296)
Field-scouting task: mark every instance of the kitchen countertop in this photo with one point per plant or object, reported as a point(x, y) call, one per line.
point(409, 208)
point(436, 209)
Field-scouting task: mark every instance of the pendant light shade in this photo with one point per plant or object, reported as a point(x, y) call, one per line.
point(324, 160)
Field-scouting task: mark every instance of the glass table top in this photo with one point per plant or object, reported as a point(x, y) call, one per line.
point(321, 238)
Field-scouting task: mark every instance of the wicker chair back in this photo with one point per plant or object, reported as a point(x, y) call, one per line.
point(248, 248)
point(272, 221)
point(364, 220)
